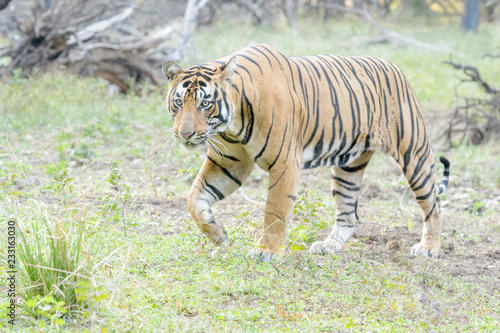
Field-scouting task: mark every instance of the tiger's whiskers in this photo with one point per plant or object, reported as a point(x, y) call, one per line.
point(216, 146)
point(219, 144)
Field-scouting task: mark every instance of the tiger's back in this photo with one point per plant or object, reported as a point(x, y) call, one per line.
point(336, 107)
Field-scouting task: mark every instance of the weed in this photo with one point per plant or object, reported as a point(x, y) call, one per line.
point(313, 216)
point(115, 206)
point(12, 171)
point(61, 181)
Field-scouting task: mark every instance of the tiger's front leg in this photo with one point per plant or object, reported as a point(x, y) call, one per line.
point(283, 186)
point(218, 178)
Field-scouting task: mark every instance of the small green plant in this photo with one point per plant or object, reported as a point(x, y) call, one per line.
point(115, 178)
point(61, 180)
point(10, 171)
point(64, 144)
point(114, 205)
point(46, 308)
point(310, 208)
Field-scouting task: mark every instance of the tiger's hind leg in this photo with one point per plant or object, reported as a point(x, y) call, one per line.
point(346, 183)
point(420, 175)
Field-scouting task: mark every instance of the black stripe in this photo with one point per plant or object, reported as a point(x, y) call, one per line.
point(267, 138)
point(249, 127)
point(432, 209)
point(353, 189)
point(334, 193)
point(354, 169)
point(426, 196)
point(251, 60)
point(232, 158)
point(347, 213)
point(424, 182)
point(258, 50)
point(343, 181)
point(214, 190)
point(279, 153)
point(312, 65)
point(228, 139)
point(276, 182)
point(225, 171)
point(271, 52)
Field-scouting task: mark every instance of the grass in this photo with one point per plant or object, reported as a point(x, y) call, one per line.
point(110, 213)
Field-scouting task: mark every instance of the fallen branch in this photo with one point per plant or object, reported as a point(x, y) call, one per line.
point(89, 32)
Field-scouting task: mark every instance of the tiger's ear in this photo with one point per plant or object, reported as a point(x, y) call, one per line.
point(171, 69)
point(228, 72)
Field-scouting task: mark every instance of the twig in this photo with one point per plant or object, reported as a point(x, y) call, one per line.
point(473, 74)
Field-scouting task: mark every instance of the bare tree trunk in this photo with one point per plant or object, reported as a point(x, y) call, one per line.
point(4, 4)
point(470, 17)
point(329, 12)
point(290, 12)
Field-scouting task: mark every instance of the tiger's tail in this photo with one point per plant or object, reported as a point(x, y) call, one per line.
point(446, 175)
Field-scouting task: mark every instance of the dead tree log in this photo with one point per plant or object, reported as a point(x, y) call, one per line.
point(93, 38)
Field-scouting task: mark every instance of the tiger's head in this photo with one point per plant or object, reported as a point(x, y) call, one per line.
point(199, 101)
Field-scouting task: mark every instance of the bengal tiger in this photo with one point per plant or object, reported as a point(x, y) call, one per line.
point(285, 114)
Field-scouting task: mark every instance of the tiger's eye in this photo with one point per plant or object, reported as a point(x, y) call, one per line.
point(205, 103)
point(178, 102)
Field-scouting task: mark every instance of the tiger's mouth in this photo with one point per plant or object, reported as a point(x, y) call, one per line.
point(193, 145)
point(199, 141)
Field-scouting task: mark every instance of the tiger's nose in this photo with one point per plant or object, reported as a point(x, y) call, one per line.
point(187, 135)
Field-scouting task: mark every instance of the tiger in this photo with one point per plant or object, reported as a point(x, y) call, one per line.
point(285, 114)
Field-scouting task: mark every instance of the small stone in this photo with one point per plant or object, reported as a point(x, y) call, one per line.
point(30, 181)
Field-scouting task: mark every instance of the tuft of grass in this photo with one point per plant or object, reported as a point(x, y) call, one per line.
point(54, 264)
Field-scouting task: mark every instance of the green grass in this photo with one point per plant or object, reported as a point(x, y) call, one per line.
point(81, 107)
point(115, 194)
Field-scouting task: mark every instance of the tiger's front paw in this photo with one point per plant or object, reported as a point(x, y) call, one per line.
point(420, 249)
point(218, 236)
point(325, 247)
point(264, 255)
